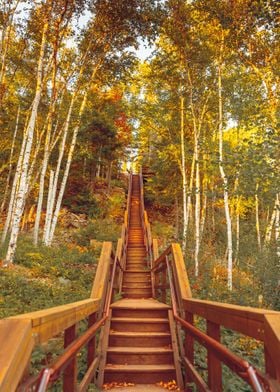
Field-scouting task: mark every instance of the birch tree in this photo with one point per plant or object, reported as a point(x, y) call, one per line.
point(23, 182)
point(221, 166)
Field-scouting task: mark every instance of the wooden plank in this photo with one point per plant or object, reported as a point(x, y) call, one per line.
point(102, 354)
point(70, 373)
point(49, 322)
point(175, 349)
point(213, 363)
point(87, 379)
point(155, 249)
point(103, 270)
point(189, 345)
point(272, 344)
point(163, 286)
point(91, 344)
point(195, 376)
point(183, 280)
point(246, 320)
point(16, 342)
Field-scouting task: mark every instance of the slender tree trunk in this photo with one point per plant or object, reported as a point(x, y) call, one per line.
point(50, 207)
point(176, 231)
point(66, 173)
point(109, 176)
point(257, 218)
point(277, 225)
point(10, 162)
point(197, 206)
point(203, 211)
point(268, 231)
point(224, 177)
point(14, 188)
point(23, 183)
point(237, 230)
point(184, 177)
point(98, 169)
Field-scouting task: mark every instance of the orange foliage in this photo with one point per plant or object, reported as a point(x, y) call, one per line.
point(170, 385)
point(117, 385)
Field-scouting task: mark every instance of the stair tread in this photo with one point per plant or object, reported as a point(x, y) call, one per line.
point(139, 368)
point(140, 334)
point(141, 320)
point(149, 304)
point(137, 350)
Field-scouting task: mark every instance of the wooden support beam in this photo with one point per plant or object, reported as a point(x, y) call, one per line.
point(16, 344)
point(189, 346)
point(91, 343)
point(70, 373)
point(272, 345)
point(213, 363)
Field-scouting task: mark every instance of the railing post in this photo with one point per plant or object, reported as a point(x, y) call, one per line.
point(189, 346)
point(70, 373)
point(91, 343)
point(213, 364)
point(163, 285)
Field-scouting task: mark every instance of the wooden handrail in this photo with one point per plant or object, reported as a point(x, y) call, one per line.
point(148, 240)
point(20, 334)
point(246, 320)
point(27, 330)
point(260, 324)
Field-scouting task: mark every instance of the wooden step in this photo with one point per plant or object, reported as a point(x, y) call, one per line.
point(136, 275)
point(137, 285)
point(140, 339)
point(139, 355)
point(145, 313)
point(139, 374)
point(140, 292)
point(136, 267)
point(139, 324)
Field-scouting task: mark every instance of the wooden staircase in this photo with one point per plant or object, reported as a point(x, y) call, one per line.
point(138, 334)
point(139, 345)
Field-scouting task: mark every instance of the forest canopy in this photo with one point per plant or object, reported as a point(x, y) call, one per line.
point(202, 113)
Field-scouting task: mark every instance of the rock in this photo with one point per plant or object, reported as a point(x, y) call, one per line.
point(63, 281)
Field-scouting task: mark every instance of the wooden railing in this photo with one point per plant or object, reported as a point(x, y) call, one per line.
point(20, 335)
point(171, 284)
point(148, 240)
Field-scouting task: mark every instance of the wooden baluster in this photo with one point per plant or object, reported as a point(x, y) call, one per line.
point(214, 365)
point(163, 285)
point(91, 343)
point(70, 373)
point(189, 347)
point(156, 277)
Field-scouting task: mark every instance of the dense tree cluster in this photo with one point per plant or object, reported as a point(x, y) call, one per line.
point(60, 86)
point(209, 127)
point(205, 111)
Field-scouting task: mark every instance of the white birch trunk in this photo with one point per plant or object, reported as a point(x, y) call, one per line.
point(237, 230)
point(23, 182)
point(66, 173)
point(197, 206)
point(10, 162)
point(268, 231)
point(184, 177)
point(257, 218)
point(50, 193)
point(14, 189)
point(224, 178)
point(277, 225)
point(50, 206)
point(189, 193)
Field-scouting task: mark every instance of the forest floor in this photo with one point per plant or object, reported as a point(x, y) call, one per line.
point(43, 276)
